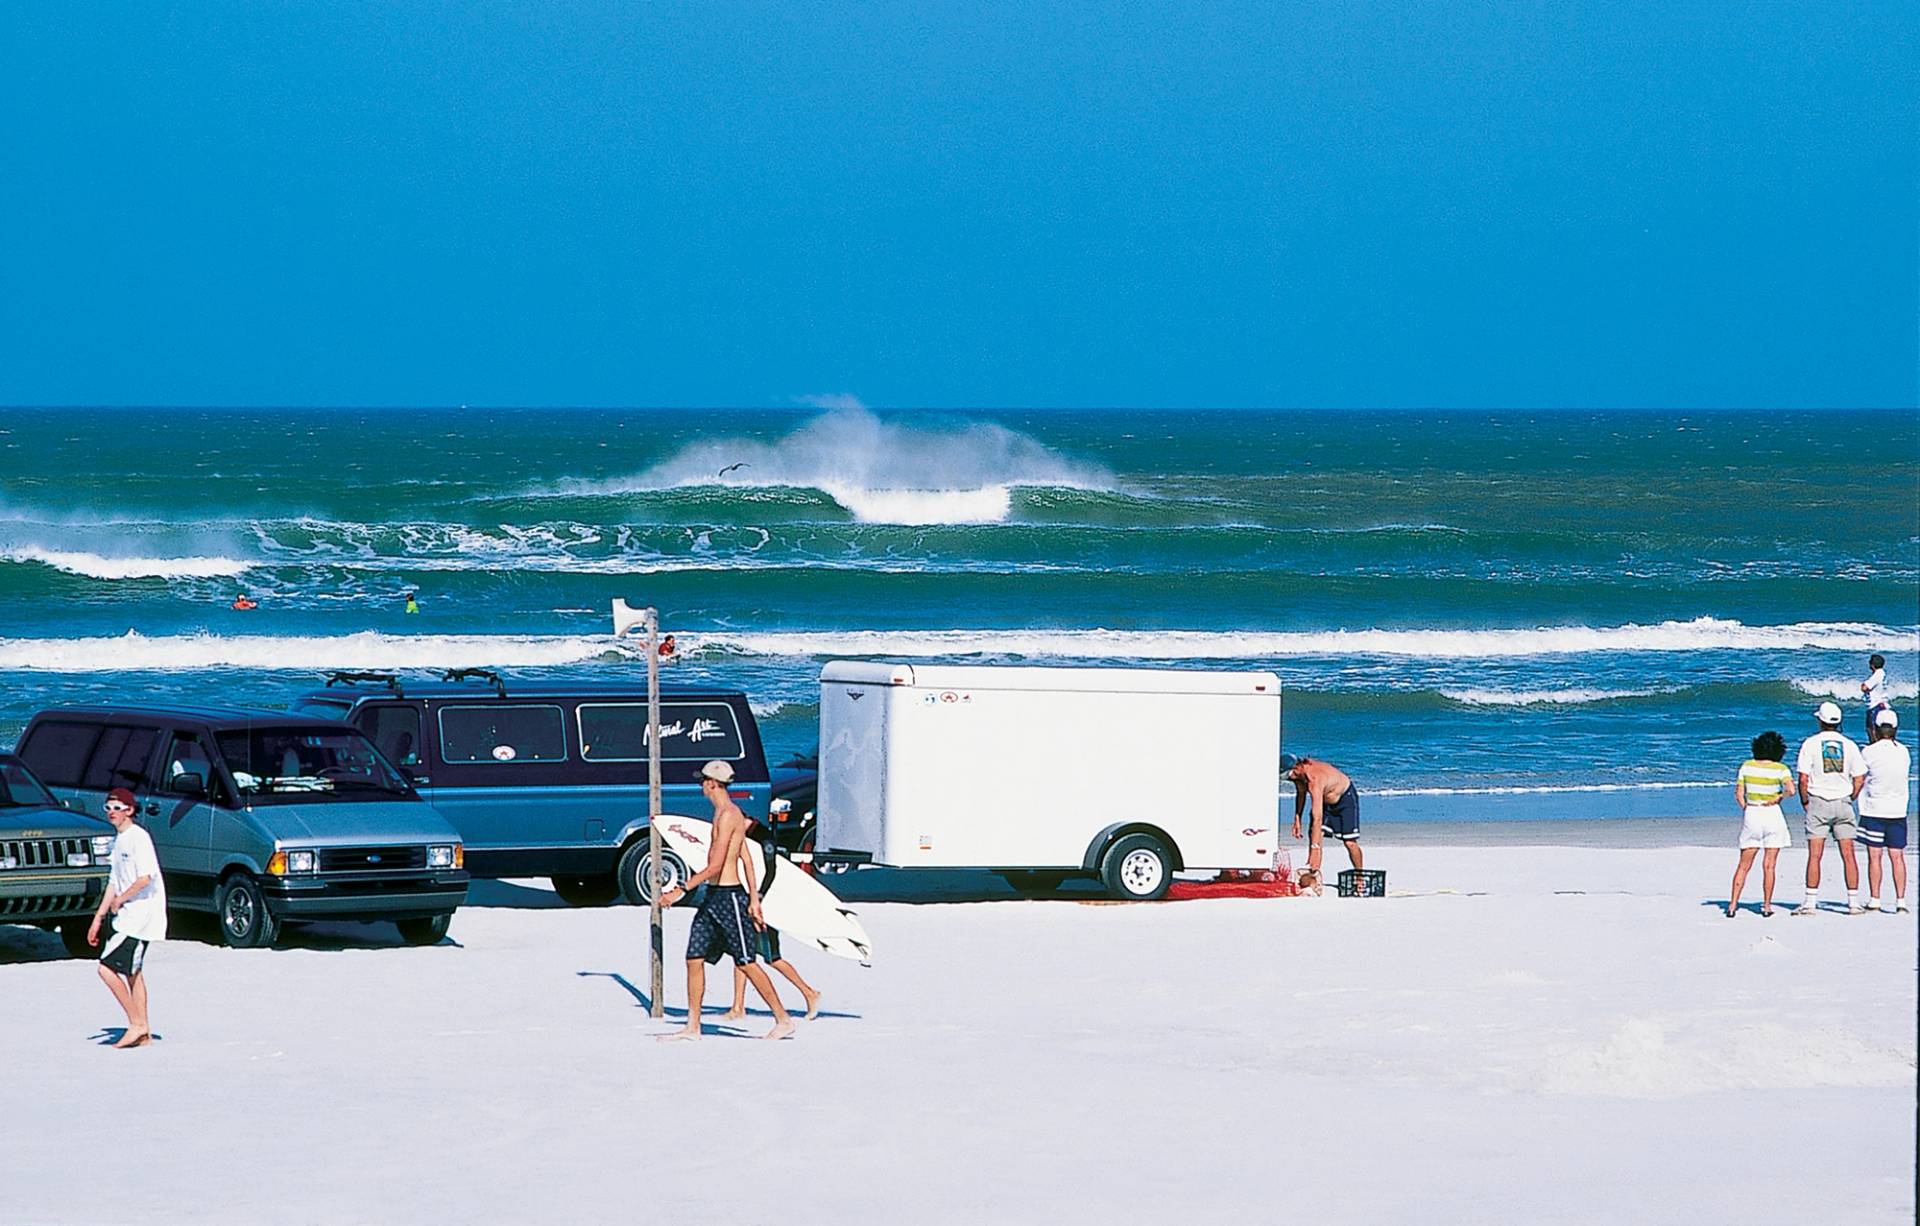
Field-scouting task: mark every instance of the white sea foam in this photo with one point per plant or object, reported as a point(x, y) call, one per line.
point(1547, 788)
point(1529, 698)
point(98, 566)
point(1848, 688)
point(1701, 634)
point(370, 649)
point(366, 650)
point(879, 471)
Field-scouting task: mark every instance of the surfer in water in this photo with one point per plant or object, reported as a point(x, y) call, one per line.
point(730, 916)
point(1336, 806)
point(243, 602)
point(413, 602)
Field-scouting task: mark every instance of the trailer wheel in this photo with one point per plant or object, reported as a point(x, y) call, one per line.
point(1137, 868)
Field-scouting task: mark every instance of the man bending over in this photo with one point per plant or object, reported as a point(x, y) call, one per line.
point(1336, 806)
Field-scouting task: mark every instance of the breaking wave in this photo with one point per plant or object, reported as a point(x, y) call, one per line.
point(98, 566)
point(878, 471)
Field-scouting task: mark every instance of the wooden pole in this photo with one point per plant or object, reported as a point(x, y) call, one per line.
point(657, 981)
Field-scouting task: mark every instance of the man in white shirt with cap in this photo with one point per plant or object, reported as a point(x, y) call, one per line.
point(1832, 772)
point(1883, 808)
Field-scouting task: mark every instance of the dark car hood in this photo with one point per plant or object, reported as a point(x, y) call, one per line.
point(50, 824)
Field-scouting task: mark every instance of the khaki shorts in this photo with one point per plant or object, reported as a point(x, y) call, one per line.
point(1830, 819)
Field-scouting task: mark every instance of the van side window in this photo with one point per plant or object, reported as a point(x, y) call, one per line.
point(394, 728)
point(187, 756)
point(57, 751)
point(121, 758)
point(502, 732)
point(689, 731)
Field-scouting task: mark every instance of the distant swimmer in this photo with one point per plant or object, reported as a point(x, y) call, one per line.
point(668, 647)
point(244, 602)
point(1336, 806)
point(413, 602)
point(729, 468)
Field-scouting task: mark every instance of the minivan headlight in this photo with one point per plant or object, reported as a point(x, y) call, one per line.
point(102, 848)
point(302, 861)
point(440, 855)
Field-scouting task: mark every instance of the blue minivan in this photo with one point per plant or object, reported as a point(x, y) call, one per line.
point(549, 779)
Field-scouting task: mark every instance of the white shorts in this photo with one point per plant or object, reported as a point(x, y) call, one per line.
point(1764, 826)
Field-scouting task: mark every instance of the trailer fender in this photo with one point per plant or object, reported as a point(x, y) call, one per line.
point(1097, 850)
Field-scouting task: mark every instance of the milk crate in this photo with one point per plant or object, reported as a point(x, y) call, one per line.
point(1363, 883)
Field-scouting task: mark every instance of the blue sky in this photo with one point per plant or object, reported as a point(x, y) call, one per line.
point(1688, 203)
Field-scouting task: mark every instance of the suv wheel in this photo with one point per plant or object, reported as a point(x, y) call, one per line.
point(424, 930)
point(636, 882)
point(73, 934)
point(592, 891)
point(245, 922)
point(1137, 868)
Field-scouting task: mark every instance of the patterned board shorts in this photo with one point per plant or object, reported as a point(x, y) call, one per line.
point(723, 927)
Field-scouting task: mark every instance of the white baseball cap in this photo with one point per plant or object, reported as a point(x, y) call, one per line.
point(718, 771)
point(1885, 718)
point(1829, 713)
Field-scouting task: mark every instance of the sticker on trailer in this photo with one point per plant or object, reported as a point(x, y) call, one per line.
point(926, 842)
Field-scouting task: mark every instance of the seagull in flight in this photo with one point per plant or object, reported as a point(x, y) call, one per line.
point(729, 468)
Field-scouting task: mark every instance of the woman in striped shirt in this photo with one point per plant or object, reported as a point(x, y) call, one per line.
point(1763, 783)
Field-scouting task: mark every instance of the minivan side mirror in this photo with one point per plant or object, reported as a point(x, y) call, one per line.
point(189, 783)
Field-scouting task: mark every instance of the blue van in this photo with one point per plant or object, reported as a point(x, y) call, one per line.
point(259, 817)
point(549, 779)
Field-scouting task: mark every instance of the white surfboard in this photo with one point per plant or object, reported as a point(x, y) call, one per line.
point(794, 904)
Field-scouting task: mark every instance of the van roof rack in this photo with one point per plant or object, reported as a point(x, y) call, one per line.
point(477, 674)
point(390, 680)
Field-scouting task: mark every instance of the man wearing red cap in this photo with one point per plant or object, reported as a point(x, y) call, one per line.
point(137, 899)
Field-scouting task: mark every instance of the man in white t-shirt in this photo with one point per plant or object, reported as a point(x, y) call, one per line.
point(1832, 773)
point(1883, 808)
point(1873, 691)
point(136, 897)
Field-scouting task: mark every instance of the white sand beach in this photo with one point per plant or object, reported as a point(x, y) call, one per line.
point(1519, 1033)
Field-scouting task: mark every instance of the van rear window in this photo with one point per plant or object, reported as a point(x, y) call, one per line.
point(57, 751)
point(502, 732)
point(689, 732)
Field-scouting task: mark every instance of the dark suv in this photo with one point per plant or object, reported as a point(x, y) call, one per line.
point(549, 779)
point(53, 861)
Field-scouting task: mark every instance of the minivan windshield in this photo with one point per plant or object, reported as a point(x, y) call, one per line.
point(282, 765)
point(20, 790)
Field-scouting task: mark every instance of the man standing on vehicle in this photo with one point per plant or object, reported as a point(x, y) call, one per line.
point(1832, 772)
point(730, 915)
point(137, 899)
point(1336, 805)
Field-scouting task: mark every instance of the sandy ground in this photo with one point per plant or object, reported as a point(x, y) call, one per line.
point(1537, 1034)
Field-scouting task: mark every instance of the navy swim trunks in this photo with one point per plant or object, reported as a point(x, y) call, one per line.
point(1341, 818)
point(723, 927)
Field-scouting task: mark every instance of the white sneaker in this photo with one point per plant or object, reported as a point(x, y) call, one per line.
point(1854, 908)
point(1901, 909)
point(1873, 904)
point(1807, 908)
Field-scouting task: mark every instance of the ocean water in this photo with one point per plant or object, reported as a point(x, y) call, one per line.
point(1480, 615)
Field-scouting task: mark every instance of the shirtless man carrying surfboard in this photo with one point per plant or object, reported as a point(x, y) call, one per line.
point(1336, 805)
point(727, 920)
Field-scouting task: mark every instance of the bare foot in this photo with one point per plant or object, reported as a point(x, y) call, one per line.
point(684, 1034)
point(734, 1015)
point(813, 1004)
point(133, 1038)
point(781, 1030)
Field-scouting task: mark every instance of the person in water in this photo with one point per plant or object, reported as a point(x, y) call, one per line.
point(668, 647)
point(730, 914)
point(244, 602)
point(413, 602)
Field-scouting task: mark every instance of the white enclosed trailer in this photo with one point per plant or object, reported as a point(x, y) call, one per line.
point(1045, 773)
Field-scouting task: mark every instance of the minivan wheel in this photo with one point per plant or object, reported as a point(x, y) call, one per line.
point(635, 880)
point(425, 929)
point(73, 934)
point(245, 922)
point(1137, 868)
point(593, 891)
